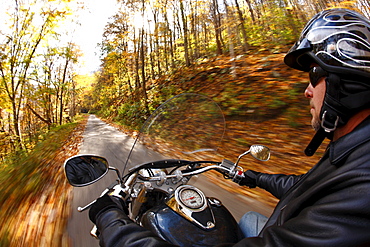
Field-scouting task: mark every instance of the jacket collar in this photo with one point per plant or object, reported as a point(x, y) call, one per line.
point(341, 148)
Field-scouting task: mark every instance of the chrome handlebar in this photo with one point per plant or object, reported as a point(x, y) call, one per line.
point(227, 168)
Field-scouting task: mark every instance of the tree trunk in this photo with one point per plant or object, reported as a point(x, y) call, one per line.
point(231, 43)
point(185, 29)
point(242, 27)
point(251, 10)
point(61, 103)
point(143, 77)
point(38, 115)
point(217, 26)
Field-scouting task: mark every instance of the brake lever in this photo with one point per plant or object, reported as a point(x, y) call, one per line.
point(108, 189)
point(81, 209)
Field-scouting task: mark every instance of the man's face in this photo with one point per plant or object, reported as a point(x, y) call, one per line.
point(316, 95)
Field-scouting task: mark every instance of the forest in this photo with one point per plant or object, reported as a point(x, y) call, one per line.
point(149, 50)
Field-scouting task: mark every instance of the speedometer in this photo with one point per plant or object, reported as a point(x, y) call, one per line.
point(191, 203)
point(191, 197)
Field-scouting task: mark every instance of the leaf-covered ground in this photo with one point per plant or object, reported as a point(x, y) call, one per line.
point(35, 197)
point(263, 102)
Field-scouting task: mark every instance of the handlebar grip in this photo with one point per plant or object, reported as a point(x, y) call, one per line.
point(239, 176)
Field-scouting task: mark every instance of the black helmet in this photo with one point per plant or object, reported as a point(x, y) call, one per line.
point(338, 40)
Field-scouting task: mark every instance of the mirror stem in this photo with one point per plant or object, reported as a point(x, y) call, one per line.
point(240, 156)
point(118, 173)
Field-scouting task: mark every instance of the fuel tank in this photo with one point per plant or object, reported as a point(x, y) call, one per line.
point(176, 229)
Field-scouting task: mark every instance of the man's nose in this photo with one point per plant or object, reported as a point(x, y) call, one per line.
point(308, 92)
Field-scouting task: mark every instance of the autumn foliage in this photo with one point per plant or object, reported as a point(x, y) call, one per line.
point(35, 198)
point(231, 51)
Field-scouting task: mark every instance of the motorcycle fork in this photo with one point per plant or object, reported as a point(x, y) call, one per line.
point(139, 201)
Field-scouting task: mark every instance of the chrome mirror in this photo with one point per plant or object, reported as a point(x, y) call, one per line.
point(82, 170)
point(260, 152)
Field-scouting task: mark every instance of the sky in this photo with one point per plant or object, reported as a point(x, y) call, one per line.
point(93, 21)
point(87, 35)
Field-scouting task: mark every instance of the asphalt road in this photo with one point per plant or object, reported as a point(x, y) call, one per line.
point(104, 140)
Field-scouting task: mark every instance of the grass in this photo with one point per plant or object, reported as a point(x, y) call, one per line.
point(24, 177)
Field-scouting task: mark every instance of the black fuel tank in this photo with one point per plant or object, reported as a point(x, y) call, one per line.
point(175, 229)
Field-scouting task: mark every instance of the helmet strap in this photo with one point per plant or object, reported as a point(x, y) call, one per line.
point(329, 126)
point(331, 111)
point(315, 143)
point(330, 117)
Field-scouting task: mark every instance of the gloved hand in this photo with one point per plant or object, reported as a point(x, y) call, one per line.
point(250, 179)
point(104, 203)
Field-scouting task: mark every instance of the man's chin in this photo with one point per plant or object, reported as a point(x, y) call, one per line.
point(316, 125)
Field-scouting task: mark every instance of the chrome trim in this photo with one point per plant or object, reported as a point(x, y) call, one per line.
point(176, 205)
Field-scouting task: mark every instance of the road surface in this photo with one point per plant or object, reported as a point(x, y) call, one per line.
point(102, 139)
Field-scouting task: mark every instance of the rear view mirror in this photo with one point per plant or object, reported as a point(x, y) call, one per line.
point(82, 170)
point(260, 152)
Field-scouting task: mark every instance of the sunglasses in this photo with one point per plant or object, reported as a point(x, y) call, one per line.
point(315, 74)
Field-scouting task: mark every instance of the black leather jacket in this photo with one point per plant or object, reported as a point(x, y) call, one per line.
point(327, 206)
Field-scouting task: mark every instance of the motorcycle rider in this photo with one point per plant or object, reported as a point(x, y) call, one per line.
point(330, 204)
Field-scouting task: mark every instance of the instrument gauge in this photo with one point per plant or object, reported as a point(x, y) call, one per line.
point(191, 198)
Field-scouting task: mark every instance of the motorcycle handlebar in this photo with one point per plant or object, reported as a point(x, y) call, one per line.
point(230, 172)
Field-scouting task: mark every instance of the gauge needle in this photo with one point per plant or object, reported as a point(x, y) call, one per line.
point(189, 198)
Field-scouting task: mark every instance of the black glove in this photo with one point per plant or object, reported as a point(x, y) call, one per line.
point(104, 203)
point(250, 179)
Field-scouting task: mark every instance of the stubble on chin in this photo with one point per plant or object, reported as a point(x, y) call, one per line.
point(316, 124)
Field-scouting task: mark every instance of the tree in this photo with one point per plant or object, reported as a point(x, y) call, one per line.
point(63, 80)
point(31, 24)
point(162, 36)
point(185, 33)
point(216, 19)
point(242, 26)
point(231, 44)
